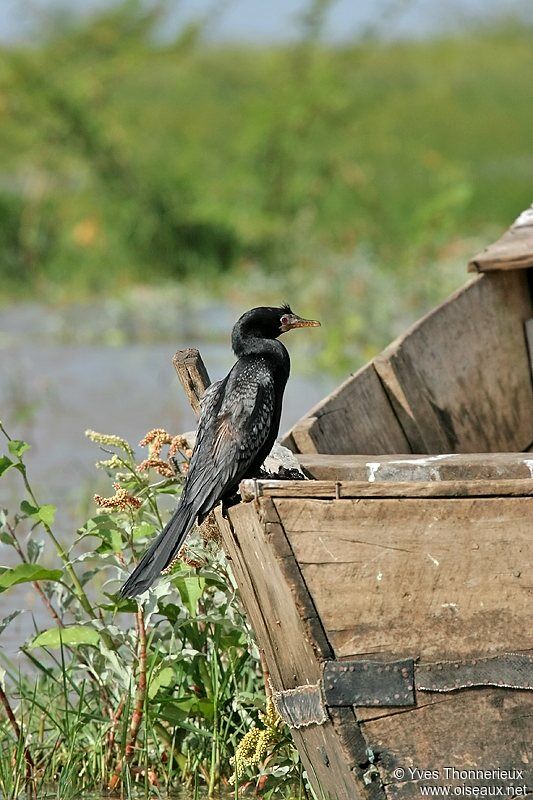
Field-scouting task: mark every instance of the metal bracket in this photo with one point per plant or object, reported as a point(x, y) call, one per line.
point(393, 683)
point(509, 670)
point(301, 706)
point(369, 683)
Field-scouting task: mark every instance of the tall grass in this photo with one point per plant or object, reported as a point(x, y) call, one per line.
point(138, 698)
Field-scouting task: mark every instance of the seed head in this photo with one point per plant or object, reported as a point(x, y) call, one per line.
point(110, 440)
point(154, 440)
point(164, 468)
point(121, 500)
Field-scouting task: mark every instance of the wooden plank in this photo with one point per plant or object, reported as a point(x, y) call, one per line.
point(438, 579)
point(396, 468)
point(356, 418)
point(266, 579)
point(486, 729)
point(513, 250)
point(250, 489)
point(459, 380)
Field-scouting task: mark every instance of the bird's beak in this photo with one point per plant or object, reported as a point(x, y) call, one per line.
point(291, 321)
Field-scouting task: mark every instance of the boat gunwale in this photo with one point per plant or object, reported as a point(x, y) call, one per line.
point(252, 489)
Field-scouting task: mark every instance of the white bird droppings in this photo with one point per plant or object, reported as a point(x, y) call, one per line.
point(373, 467)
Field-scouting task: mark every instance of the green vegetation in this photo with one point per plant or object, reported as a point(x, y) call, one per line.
point(354, 179)
point(127, 160)
point(145, 699)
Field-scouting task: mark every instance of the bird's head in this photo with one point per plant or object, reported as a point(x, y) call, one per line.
point(270, 322)
point(266, 322)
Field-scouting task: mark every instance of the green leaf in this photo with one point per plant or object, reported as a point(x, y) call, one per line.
point(191, 589)
point(27, 573)
point(5, 464)
point(28, 509)
point(144, 530)
point(163, 678)
point(44, 514)
point(47, 514)
point(73, 635)
point(17, 447)
point(35, 548)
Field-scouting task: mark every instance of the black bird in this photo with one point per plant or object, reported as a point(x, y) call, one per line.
point(239, 422)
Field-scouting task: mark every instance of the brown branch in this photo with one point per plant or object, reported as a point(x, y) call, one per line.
point(193, 375)
point(18, 733)
point(140, 697)
point(111, 734)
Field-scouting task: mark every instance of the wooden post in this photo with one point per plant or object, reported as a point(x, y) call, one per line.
point(193, 375)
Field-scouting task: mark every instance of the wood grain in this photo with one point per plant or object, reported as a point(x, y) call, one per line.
point(486, 728)
point(459, 380)
point(513, 250)
point(250, 489)
point(282, 618)
point(356, 418)
point(408, 467)
point(438, 579)
point(193, 375)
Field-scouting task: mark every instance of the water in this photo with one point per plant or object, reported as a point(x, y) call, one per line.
point(107, 368)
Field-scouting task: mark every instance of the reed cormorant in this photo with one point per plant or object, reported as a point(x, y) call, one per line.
point(238, 425)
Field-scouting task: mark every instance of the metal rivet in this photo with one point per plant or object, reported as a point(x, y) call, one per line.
point(396, 696)
point(410, 688)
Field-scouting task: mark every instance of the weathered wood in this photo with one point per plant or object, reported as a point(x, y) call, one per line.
point(513, 250)
point(529, 338)
point(250, 489)
point(459, 380)
point(391, 578)
point(484, 729)
point(193, 375)
point(267, 577)
point(430, 578)
point(453, 466)
point(356, 418)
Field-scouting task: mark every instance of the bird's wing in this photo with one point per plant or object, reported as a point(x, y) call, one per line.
point(234, 425)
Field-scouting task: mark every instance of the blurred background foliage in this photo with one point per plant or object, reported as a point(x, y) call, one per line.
point(358, 176)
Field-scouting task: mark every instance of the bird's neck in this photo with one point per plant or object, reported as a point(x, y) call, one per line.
point(254, 344)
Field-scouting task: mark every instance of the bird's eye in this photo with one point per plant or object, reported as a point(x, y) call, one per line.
point(285, 319)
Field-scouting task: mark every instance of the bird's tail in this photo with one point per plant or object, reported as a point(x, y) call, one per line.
point(161, 552)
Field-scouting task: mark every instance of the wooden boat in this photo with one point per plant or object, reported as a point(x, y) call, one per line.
point(392, 593)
